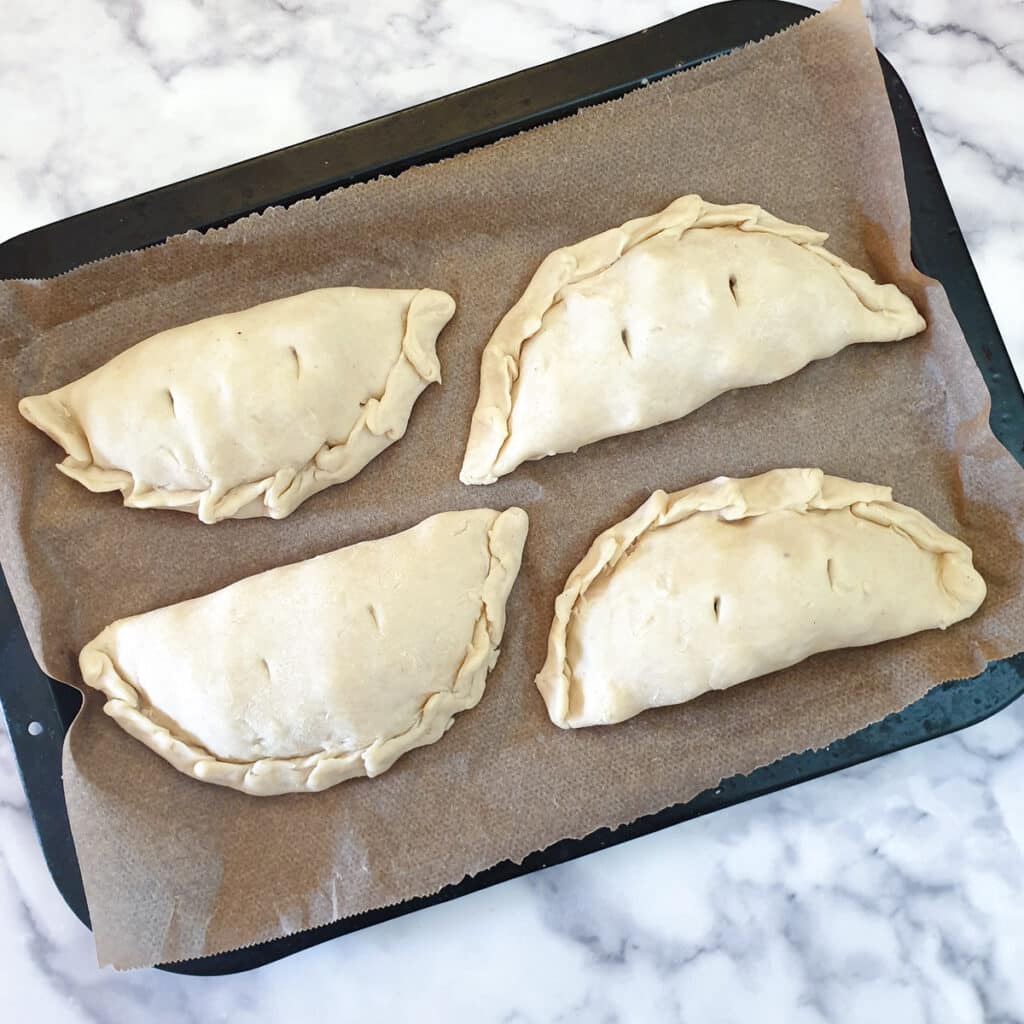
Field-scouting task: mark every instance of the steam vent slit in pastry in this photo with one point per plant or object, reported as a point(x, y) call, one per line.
point(733, 579)
point(646, 322)
point(304, 676)
point(249, 413)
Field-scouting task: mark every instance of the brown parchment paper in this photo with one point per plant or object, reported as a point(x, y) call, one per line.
point(799, 124)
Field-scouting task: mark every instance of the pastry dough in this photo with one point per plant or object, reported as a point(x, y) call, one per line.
point(645, 323)
point(249, 413)
point(306, 675)
point(732, 579)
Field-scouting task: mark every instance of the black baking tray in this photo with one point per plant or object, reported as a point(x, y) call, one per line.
point(39, 711)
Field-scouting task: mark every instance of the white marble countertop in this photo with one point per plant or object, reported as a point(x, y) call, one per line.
point(893, 891)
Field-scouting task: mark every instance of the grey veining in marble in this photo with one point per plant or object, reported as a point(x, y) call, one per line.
point(893, 891)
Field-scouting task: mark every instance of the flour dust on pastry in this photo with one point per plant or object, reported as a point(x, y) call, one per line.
point(304, 676)
point(249, 413)
point(733, 579)
point(646, 322)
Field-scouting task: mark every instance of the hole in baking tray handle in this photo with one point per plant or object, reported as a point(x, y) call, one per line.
point(35, 729)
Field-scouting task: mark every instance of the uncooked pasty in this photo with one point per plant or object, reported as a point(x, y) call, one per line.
point(249, 413)
point(306, 675)
point(732, 579)
point(645, 323)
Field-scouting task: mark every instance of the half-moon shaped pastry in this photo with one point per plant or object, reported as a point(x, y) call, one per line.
point(249, 413)
point(309, 674)
point(645, 323)
point(733, 579)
